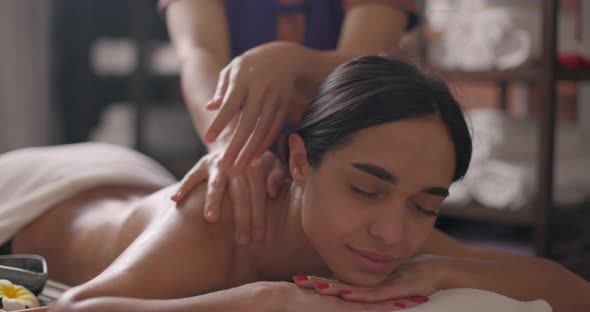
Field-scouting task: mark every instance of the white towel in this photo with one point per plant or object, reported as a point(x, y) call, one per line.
point(503, 169)
point(469, 300)
point(32, 180)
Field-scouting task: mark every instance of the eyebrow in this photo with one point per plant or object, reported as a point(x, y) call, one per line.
point(376, 171)
point(387, 176)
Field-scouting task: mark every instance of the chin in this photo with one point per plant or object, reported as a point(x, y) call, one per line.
point(354, 277)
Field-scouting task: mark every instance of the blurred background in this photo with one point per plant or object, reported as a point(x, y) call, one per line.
point(103, 70)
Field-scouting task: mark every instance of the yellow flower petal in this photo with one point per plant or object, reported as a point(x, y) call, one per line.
point(15, 296)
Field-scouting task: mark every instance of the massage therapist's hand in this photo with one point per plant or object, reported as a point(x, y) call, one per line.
point(413, 281)
point(287, 297)
point(248, 191)
point(257, 87)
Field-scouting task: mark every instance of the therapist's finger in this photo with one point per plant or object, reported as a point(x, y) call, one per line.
point(240, 194)
point(193, 178)
point(216, 187)
point(275, 178)
point(246, 124)
point(217, 99)
point(256, 180)
point(220, 89)
point(214, 103)
point(232, 102)
point(260, 131)
point(273, 133)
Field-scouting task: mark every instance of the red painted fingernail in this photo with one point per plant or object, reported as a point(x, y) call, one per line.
point(400, 305)
point(419, 299)
point(299, 278)
point(322, 286)
point(345, 292)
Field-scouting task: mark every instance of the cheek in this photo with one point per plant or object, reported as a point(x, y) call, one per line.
point(327, 216)
point(418, 234)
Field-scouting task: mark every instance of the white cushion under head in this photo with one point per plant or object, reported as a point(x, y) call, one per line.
point(475, 300)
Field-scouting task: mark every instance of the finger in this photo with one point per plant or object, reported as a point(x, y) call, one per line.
point(258, 196)
point(248, 120)
point(189, 182)
point(309, 282)
point(222, 82)
point(220, 89)
point(275, 178)
point(269, 111)
point(323, 286)
point(377, 294)
point(215, 188)
point(332, 289)
point(214, 104)
point(231, 105)
point(274, 131)
point(241, 198)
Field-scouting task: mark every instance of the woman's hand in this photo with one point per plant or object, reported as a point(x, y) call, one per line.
point(282, 296)
point(413, 282)
point(257, 87)
point(248, 191)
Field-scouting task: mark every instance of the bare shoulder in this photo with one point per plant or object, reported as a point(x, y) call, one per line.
point(193, 206)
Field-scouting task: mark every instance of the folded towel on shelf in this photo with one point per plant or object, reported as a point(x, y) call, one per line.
point(503, 172)
point(35, 179)
point(484, 35)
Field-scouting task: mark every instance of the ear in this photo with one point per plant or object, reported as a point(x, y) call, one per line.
point(298, 164)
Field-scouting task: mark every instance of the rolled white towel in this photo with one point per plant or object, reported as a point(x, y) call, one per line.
point(35, 179)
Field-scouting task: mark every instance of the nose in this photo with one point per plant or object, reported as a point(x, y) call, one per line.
point(389, 226)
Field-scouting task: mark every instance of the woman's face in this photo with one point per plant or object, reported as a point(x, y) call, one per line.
point(372, 202)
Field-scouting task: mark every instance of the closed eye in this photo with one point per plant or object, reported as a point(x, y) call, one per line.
point(426, 212)
point(367, 195)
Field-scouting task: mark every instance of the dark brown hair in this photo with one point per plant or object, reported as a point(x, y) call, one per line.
point(373, 90)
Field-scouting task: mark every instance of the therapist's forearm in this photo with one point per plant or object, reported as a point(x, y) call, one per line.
point(521, 278)
point(199, 32)
point(199, 74)
point(318, 64)
point(367, 30)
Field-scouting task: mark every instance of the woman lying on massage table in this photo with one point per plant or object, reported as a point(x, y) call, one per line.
point(370, 165)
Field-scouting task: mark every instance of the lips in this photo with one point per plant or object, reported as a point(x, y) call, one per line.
point(374, 256)
point(372, 262)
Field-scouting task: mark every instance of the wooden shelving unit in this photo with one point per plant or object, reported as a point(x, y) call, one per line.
point(544, 73)
point(83, 93)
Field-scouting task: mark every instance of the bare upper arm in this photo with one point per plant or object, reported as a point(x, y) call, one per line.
point(201, 24)
point(372, 28)
point(178, 255)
